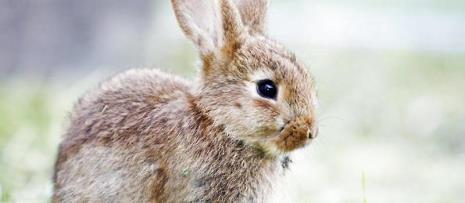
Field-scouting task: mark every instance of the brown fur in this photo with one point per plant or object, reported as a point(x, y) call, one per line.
point(146, 136)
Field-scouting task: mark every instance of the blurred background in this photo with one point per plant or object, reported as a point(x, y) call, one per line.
point(391, 78)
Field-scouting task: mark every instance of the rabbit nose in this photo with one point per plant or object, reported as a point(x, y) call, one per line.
point(296, 133)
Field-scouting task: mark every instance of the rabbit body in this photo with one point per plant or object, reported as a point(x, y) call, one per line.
point(147, 136)
point(141, 135)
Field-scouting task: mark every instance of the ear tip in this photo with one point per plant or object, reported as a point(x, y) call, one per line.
point(174, 2)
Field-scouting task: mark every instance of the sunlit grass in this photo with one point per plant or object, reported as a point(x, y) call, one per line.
point(364, 188)
point(27, 140)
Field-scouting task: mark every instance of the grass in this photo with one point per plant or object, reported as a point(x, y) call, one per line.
point(364, 188)
point(28, 138)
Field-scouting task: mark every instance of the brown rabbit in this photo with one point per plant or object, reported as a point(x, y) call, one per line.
point(146, 136)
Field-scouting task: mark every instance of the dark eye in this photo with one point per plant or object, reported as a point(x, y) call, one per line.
point(266, 88)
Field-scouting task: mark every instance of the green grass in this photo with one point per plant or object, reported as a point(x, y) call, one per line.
point(28, 139)
point(364, 188)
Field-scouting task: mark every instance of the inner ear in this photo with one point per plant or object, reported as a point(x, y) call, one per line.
point(200, 22)
point(232, 28)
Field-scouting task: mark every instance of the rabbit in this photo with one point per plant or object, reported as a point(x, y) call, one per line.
point(148, 136)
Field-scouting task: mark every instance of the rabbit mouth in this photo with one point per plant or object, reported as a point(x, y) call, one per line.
point(284, 126)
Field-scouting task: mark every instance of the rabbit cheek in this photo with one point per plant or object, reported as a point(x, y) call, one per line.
point(294, 135)
point(267, 108)
point(269, 114)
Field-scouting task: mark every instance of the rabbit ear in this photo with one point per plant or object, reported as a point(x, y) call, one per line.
point(211, 29)
point(199, 21)
point(253, 14)
point(232, 27)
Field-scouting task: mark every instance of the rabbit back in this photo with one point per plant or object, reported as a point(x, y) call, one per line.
point(110, 151)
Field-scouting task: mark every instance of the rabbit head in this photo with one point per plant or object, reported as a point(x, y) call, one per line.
point(250, 85)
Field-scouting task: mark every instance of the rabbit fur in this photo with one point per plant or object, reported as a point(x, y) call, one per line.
point(148, 136)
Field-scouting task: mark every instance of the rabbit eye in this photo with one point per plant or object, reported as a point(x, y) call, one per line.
point(266, 88)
